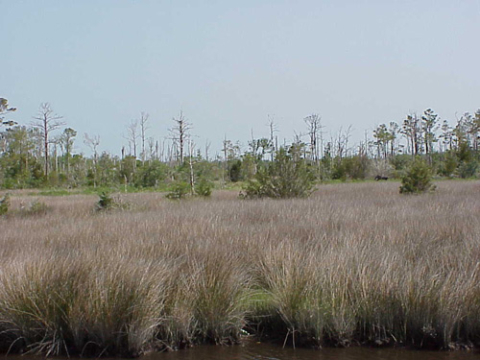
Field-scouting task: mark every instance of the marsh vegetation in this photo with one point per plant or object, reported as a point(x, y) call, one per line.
point(354, 264)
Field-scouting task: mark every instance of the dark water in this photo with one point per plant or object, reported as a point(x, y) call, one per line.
point(252, 350)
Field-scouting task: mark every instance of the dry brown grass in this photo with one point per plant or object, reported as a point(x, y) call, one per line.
point(355, 263)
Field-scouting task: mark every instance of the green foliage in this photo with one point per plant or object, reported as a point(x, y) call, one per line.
point(4, 109)
point(418, 178)
point(339, 172)
point(178, 190)
point(105, 202)
point(35, 208)
point(287, 176)
point(356, 167)
point(204, 188)
point(4, 204)
point(400, 162)
point(449, 165)
point(467, 169)
point(53, 192)
point(235, 171)
point(464, 153)
point(150, 174)
point(38, 208)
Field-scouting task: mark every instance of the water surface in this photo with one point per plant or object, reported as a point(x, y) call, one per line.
point(251, 350)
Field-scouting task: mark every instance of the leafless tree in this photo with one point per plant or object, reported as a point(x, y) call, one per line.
point(273, 129)
point(132, 137)
point(207, 149)
point(143, 128)
point(314, 127)
point(151, 148)
point(46, 121)
point(93, 143)
point(191, 148)
point(180, 133)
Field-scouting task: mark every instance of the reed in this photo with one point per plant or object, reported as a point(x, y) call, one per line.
point(353, 264)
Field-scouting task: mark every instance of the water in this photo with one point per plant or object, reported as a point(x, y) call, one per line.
point(251, 350)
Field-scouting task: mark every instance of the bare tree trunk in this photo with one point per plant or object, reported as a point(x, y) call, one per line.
point(314, 127)
point(180, 133)
point(46, 121)
point(132, 137)
point(93, 143)
point(143, 128)
point(207, 149)
point(192, 175)
point(272, 127)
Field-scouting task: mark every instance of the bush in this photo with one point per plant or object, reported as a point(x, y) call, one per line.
point(4, 204)
point(287, 176)
point(449, 165)
point(204, 188)
point(418, 178)
point(235, 171)
point(36, 208)
point(179, 190)
point(356, 167)
point(108, 202)
point(467, 169)
point(105, 201)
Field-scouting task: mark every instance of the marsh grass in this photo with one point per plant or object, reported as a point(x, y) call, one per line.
point(353, 264)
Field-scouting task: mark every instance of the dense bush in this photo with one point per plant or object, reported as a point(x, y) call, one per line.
point(4, 204)
point(204, 188)
point(105, 202)
point(36, 208)
point(467, 169)
point(448, 166)
point(287, 176)
point(235, 171)
point(178, 190)
point(418, 178)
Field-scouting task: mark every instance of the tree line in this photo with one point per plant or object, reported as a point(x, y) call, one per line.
point(42, 153)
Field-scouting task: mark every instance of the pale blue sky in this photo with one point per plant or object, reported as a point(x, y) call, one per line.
point(230, 64)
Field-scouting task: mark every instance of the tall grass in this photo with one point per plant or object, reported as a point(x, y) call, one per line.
point(353, 264)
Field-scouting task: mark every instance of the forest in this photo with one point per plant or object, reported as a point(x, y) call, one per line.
point(41, 153)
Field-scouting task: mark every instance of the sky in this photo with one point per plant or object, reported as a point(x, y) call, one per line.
point(230, 66)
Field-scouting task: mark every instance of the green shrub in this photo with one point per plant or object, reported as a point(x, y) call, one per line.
point(108, 202)
point(467, 169)
point(235, 171)
point(204, 188)
point(449, 165)
point(36, 208)
point(179, 190)
point(418, 178)
point(339, 172)
point(105, 201)
point(4, 204)
point(288, 176)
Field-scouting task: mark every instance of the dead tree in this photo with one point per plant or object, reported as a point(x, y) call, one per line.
point(191, 148)
point(314, 127)
point(132, 137)
point(180, 134)
point(46, 121)
point(207, 149)
point(143, 128)
point(273, 129)
point(92, 143)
